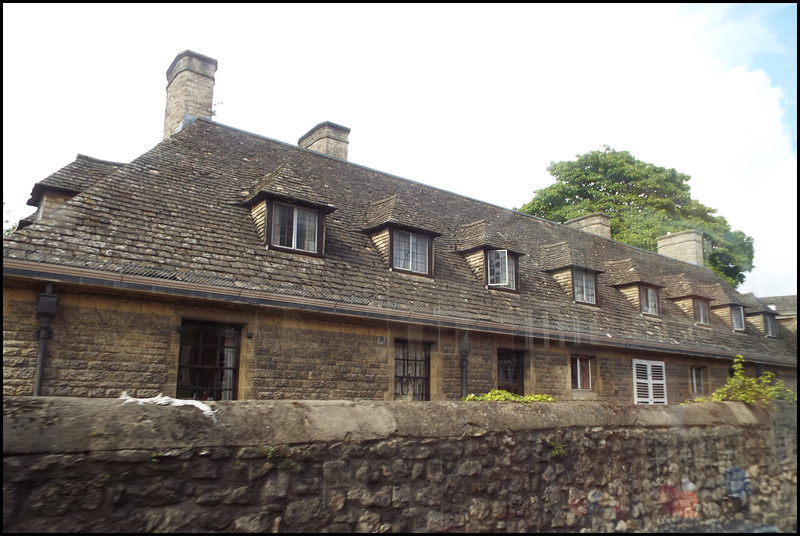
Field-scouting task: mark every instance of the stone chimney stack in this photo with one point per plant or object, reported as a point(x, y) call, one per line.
point(685, 246)
point(597, 223)
point(190, 90)
point(327, 138)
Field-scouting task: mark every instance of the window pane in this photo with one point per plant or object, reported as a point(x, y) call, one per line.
point(589, 281)
point(770, 326)
point(283, 226)
point(412, 370)
point(402, 250)
point(419, 257)
point(512, 272)
point(649, 298)
point(697, 380)
point(701, 311)
point(306, 229)
point(577, 281)
point(510, 372)
point(208, 363)
point(581, 373)
point(737, 315)
point(583, 284)
point(497, 265)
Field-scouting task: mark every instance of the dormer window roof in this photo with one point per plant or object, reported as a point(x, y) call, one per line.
point(493, 258)
point(403, 234)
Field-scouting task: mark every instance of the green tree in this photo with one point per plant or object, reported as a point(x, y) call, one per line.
point(8, 227)
point(644, 202)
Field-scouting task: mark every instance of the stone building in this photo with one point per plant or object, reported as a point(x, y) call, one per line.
point(226, 265)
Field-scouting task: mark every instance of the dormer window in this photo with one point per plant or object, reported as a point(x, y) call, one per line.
point(501, 269)
point(737, 317)
point(295, 228)
point(648, 300)
point(770, 326)
point(584, 283)
point(700, 311)
point(411, 252)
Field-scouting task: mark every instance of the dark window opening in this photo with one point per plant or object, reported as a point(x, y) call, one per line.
point(581, 369)
point(412, 370)
point(510, 372)
point(208, 368)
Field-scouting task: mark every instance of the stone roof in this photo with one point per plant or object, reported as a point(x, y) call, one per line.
point(74, 177)
point(181, 212)
point(627, 272)
point(481, 234)
point(783, 305)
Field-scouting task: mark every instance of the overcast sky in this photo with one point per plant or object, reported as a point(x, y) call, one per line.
point(475, 99)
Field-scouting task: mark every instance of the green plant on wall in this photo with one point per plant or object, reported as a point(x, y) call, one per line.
point(741, 388)
point(505, 396)
point(556, 449)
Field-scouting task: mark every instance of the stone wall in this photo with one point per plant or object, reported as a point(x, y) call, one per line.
point(101, 465)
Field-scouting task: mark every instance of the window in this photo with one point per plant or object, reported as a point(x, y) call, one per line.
point(649, 382)
point(648, 298)
point(208, 367)
point(581, 372)
point(698, 378)
point(412, 370)
point(294, 228)
point(509, 371)
point(501, 269)
point(584, 284)
point(737, 317)
point(770, 326)
point(410, 252)
point(701, 311)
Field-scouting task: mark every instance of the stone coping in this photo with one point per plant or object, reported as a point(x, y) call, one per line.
point(34, 425)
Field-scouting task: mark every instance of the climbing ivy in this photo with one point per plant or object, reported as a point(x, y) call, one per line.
point(500, 395)
point(741, 388)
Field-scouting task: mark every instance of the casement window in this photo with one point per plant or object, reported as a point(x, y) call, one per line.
point(411, 252)
point(699, 375)
point(510, 372)
point(584, 283)
point(501, 269)
point(581, 372)
point(770, 326)
point(649, 382)
point(700, 311)
point(208, 366)
point(295, 228)
point(412, 370)
point(737, 317)
point(648, 299)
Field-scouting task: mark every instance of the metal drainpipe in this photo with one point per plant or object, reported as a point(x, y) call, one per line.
point(464, 348)
point(46, 310)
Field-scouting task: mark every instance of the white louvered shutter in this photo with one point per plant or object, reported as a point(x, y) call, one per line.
point(649, 382)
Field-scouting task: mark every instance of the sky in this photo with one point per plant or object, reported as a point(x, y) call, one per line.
point(476, 99)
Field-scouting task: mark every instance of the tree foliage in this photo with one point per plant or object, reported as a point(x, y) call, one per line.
point(740, 388)
point(644, 202)
point(8, 227)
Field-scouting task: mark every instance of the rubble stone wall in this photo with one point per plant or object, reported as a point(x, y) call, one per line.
point(103, 465)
